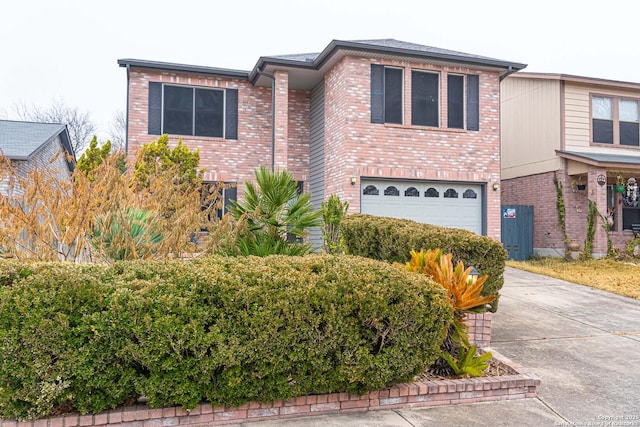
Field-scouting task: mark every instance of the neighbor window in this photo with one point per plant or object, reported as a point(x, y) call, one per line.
point(628, 111)
point(186, 110)
point(615, 121)
point(602, 112)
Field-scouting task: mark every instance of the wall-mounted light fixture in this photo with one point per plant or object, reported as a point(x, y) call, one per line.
point(353, 180)
point(473, 275)
point(496, 186)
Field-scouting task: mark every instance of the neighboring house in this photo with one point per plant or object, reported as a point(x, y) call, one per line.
point(394, 128)
point(41, 145)
point(583, 131)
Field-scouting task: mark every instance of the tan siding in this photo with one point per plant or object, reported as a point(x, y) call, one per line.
point(530, 126)
point(576, 126)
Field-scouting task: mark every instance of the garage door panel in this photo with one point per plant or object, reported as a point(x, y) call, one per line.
point(462, 211)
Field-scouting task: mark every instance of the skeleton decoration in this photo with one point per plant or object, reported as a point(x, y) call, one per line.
point(630, 196)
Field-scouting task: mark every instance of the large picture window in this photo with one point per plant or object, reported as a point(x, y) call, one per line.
point(184, 110)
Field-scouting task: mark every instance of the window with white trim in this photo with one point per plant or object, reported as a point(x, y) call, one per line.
point(615, 121)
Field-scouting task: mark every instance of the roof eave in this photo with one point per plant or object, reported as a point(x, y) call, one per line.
point(337, 45)
point(485, 62)
point(195, 69)
point(594, 162)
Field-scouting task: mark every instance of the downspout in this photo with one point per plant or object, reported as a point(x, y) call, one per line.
point(126, 118)
point(273, 117)
point(509, 71)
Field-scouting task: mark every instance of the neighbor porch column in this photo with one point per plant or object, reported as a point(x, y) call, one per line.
point(598, 195)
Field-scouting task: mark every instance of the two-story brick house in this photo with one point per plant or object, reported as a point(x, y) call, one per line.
point(584, 132)
point(394, 128)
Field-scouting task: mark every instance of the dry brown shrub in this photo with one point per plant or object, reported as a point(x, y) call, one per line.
point(46, 217)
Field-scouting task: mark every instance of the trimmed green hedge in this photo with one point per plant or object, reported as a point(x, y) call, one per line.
point(391, 239)
point(223, 330)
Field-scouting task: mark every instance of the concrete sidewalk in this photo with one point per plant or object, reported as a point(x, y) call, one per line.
point(584, 344)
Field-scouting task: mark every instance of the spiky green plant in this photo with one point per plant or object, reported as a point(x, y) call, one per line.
point(125, 235)
point(468, 362)
point(277, 216)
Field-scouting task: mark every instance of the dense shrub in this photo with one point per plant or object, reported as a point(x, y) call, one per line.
point(224, 330)
point(392, 239)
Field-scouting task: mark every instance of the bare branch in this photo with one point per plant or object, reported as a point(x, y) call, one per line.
point(118, 130)
point(81, 127)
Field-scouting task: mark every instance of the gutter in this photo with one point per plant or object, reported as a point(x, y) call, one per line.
point(507, 73)
point(273, 116)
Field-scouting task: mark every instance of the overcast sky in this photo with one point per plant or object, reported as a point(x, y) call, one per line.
point(68, 49)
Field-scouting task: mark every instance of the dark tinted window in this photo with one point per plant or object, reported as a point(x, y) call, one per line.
point(469, 194)
point(391, 191)
point(603, 131)
point(629, 133)
point(431, 192)
point(178, 110)
point(209, 112)
point(370, 190)
point(412, 192)
point(451, 194)
point(424, 98)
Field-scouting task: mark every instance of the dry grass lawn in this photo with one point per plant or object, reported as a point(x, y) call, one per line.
point(619, 277)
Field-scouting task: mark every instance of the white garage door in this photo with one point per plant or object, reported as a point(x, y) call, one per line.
point(440, 203)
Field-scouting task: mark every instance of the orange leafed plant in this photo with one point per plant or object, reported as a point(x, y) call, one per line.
point(464, 292)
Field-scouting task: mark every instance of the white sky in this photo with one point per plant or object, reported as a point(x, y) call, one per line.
point(68, 48)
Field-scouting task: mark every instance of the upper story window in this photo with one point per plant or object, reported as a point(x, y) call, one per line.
point(197, 111)
point(462, 101)
point(386, 94)
point(425, 109)
point(615, 121)
point(460, 106)
point(629, 122)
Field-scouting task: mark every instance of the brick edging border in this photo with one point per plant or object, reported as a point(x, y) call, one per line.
point(519, 385)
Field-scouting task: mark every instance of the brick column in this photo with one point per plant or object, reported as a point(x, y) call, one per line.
point(281, 119)
point(598, 194)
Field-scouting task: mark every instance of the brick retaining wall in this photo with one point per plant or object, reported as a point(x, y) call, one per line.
point(517, 385)
point(479, 328)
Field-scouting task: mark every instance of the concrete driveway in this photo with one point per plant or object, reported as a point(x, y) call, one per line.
point(584, 345)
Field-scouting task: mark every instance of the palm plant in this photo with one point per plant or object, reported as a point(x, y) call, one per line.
point(277, 216)
point(127, 234)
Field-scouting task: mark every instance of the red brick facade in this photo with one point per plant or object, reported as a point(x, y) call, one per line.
point(540, 192)
point(357, 147)
point(353, 146)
